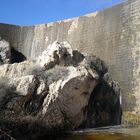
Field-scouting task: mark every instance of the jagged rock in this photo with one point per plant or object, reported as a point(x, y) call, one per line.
point(57, 53)
point(63, 90)
point(61, 104)
point(5, 52)
point(60, 53)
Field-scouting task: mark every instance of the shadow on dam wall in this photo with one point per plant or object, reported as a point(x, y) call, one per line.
point(111, 34)
point(16, 56)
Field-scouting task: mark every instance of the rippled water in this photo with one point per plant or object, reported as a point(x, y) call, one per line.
point(114, 133)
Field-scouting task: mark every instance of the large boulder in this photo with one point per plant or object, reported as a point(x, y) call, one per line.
point(60, 104)
point(59, 53)
point(61, 90)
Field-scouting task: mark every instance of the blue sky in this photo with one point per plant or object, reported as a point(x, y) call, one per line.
point(29, 12)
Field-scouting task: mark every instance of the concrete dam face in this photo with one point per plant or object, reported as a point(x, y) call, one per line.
point(112, 34)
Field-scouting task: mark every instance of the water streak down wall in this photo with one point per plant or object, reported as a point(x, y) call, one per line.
point(112, 34)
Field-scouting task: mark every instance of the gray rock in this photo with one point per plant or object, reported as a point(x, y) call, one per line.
point(23, 85)
point(5, 52)
point(54, 94)
point(56, 53)
point(16, 69)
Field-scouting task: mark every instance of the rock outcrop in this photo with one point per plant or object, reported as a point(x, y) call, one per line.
point(61, 90)
point(57, 53)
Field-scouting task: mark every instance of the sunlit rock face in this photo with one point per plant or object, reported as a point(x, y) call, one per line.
point(5, 51)
point(60, 90)
point(56, 53)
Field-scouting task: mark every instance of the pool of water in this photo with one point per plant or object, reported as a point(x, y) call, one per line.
point(112, 133)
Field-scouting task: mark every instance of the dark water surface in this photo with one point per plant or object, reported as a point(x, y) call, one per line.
point(113, 133)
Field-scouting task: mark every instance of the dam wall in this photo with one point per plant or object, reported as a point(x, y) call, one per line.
point(112, 34)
